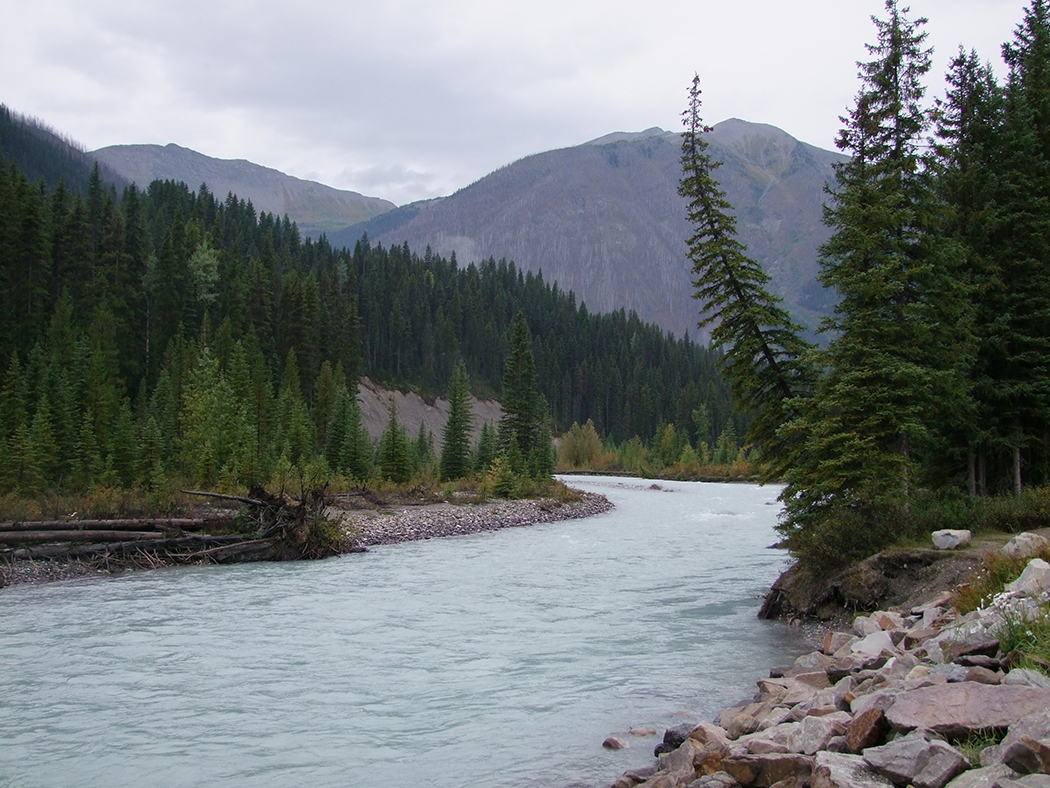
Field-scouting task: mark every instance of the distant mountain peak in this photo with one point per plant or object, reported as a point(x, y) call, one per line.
point(621, 136)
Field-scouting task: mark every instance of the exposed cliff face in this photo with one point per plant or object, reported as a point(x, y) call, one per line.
point(605, 220)
point(314, 207)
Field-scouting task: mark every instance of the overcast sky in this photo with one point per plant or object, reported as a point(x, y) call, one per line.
point(406, 99)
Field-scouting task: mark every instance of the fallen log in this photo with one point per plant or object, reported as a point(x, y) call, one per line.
point(43, 537)
point(63, 552)
point(142, 524)
point(224, 497)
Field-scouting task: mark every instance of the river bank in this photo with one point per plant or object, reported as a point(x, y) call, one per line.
point(362, 528)
point(915, 696)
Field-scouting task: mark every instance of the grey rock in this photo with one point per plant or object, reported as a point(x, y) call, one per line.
point(679, 760)
point(956, 710)
point(840, 770)
point(1021, 758)
point(1035, 579)
point(1036, 725)
point(814, 733)
point(1027, 678)
point(873, 644)
point(763, 771)
point(916, 760)
point(983, 778)
point(949, 539)
point(1025, 545)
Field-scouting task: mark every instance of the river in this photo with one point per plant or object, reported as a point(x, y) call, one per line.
point(499, 659)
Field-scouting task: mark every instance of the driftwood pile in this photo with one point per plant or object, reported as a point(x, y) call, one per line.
point(266, 528)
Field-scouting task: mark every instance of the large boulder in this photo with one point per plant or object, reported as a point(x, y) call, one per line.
point(814, 733)
point(838, 770)
point(917, 760)
point(1034, 580)
point(763, 771)
point(956, 710)
point(949, 539)
point(983, 778)
point(1025, 545)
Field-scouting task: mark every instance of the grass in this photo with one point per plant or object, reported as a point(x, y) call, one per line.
point(978, 740)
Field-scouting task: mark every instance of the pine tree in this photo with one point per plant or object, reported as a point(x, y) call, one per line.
point(395, 461)
point(455, 444)
point(897, 361)
point(521, 426)
point(765, 358)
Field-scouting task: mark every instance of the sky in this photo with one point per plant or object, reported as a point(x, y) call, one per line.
point(411, 99)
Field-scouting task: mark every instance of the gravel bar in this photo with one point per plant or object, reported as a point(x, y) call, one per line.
point(406, 524)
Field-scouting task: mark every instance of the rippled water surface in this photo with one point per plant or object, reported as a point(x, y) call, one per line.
point(501, 659)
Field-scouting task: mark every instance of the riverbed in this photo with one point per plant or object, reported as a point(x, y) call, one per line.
point(496, 659)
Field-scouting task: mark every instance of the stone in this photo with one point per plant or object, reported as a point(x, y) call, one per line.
point(1027, 678)
point(950, 538)
point(978, 643)
point(1035, 726)
point(980, 661)
point(642, 731)
point(983, 778)
point(716, 780)
point(709, 736)
point(917, 637)
point(814, 733)
point(866, 730)
point(1041, 747)
point(668, 780)
point(875, 700)
point(889, 620)
point(679, 760)
point(839, 770)
point(1034, 580)
point(1025, 545)
point(765, 746)
point(834, 641)
point(741, 725)
point(873, 644)
point(615, 743)
point(865, 625)
point(1022, 758)
point(916, 760)
point(814, 662)
point(673, 738)
point(1028, 781)
point(762, 771)
point(956, 710)
point(983, 675)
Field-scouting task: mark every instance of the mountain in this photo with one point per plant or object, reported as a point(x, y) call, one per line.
point(605, 220)
point(316, 208)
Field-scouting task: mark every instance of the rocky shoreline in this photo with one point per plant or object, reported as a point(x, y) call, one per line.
point(365, 528)
point(920, 696)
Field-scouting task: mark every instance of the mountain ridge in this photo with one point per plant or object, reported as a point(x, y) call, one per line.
point(316, 208)
point(604, 219)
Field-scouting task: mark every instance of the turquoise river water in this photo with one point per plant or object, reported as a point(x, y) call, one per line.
point(499, 659)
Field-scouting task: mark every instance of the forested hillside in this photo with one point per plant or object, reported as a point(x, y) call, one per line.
point(170, 332)
point(44, 153)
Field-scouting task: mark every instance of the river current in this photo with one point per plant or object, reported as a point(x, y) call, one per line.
point(499, 659)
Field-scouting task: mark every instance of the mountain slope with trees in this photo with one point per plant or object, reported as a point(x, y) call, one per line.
point(170, 334)
point(604, 219)
point(314, 207)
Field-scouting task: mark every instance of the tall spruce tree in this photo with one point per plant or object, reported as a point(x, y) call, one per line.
point(765, 357)
point(521, 427)
point(895, 367)
point(455, 443)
